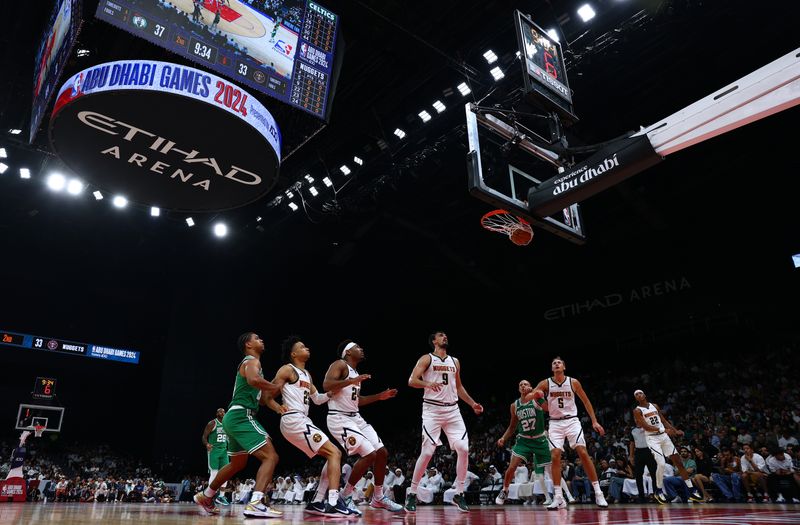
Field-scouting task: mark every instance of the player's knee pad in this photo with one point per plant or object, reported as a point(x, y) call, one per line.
point(461, 446)
point(428, 449)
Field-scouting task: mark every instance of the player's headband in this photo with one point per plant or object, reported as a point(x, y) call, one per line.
point(637, 392)
point(348, 347)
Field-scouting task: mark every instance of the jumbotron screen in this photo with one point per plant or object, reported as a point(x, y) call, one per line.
point(543, 64)
point(61, 31)
point(283, 48)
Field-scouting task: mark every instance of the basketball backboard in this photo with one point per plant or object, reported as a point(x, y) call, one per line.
point(30, 416)
point(506, 161)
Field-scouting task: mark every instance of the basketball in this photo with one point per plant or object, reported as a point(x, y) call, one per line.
point(521, 236)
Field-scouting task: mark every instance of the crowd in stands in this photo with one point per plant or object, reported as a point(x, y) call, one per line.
point(740, 420)
point(82, 472)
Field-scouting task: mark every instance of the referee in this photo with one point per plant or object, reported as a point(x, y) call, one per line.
point(640, 458)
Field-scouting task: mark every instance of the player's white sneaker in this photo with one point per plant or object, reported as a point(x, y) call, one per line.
point(256, 509)
point(385, 503)
point(558, 503)
point(501, 497)
point(600, 500)
point(547, 500)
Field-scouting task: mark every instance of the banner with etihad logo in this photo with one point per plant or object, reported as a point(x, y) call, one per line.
point(166, 135)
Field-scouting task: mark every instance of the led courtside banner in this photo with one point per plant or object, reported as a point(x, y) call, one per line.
point(166, 135)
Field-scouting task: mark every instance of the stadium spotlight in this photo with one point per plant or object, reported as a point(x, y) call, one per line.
point(586, 12)
point(327, 181)
point(155, 211)
point(119, 201)
point(74, 187)
point(309, 178)
point(56, 182)
point(313, 191)
point(552, 33)
point(15, 131)
point(438, 106)
point(490, 57)
point(3, 153)
point(464, 89)
point(424, 115)
point(97, 195)
point(189, 222)
point(497, 73)
point(24, 173)
point(220, 229)
point(400, 133)
point(289, 194)
point(3, 167)
point(344, 170)
point(358, 161)
point(293, 206)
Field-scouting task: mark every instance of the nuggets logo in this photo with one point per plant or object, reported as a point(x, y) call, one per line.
point(317, 438)
point(351, 441)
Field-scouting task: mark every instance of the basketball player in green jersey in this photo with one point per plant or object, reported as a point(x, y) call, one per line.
point(245, 434)
point(216, 442)
point(531, 447)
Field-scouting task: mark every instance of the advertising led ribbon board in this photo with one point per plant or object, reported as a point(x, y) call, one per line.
point(166, 135)
point(60, 346)
point(283, 48)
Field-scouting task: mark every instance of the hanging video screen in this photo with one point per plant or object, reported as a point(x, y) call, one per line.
point(283, 48)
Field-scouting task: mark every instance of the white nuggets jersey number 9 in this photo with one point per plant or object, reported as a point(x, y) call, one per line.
point(295, 395)
point(651, 417)
point(346, 399)
point(561, 399)
point(441, 371)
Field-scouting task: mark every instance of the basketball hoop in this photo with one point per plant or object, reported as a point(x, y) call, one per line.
point(37, 430)
point(501, 221)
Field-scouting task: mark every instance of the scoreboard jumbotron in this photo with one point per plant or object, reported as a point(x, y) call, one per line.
point(286, 51)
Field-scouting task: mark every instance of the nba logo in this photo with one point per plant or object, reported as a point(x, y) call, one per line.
point(303, 50)
point(76, 86)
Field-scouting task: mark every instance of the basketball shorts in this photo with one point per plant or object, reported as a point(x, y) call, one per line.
point(565, 429)
point(217, 459)
point(245, 433)
point(354, 434)
point(661, 444)
point(436, 419)
point(300, 431)
point(533, 451)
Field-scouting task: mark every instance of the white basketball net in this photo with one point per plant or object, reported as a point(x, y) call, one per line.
point(504, 222)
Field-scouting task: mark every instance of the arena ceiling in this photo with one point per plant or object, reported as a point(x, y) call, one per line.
point(636, 62)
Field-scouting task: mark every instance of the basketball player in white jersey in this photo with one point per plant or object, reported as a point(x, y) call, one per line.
point(439, 375)
point(346, 425)
point(297, 389)
point(560, 391)
point(657, 432)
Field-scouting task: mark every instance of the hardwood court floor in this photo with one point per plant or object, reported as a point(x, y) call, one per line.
point(178, 514)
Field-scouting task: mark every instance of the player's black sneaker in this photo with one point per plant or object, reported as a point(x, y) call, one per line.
point(694, 495)
point(411, 503)
point(460, 502)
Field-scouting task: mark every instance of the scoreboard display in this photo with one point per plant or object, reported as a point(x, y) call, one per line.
point(544, 71)
point(44, 388)
point(283, 48)
point(50, 344)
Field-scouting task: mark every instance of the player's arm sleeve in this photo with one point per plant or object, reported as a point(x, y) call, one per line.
point(319, 398)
